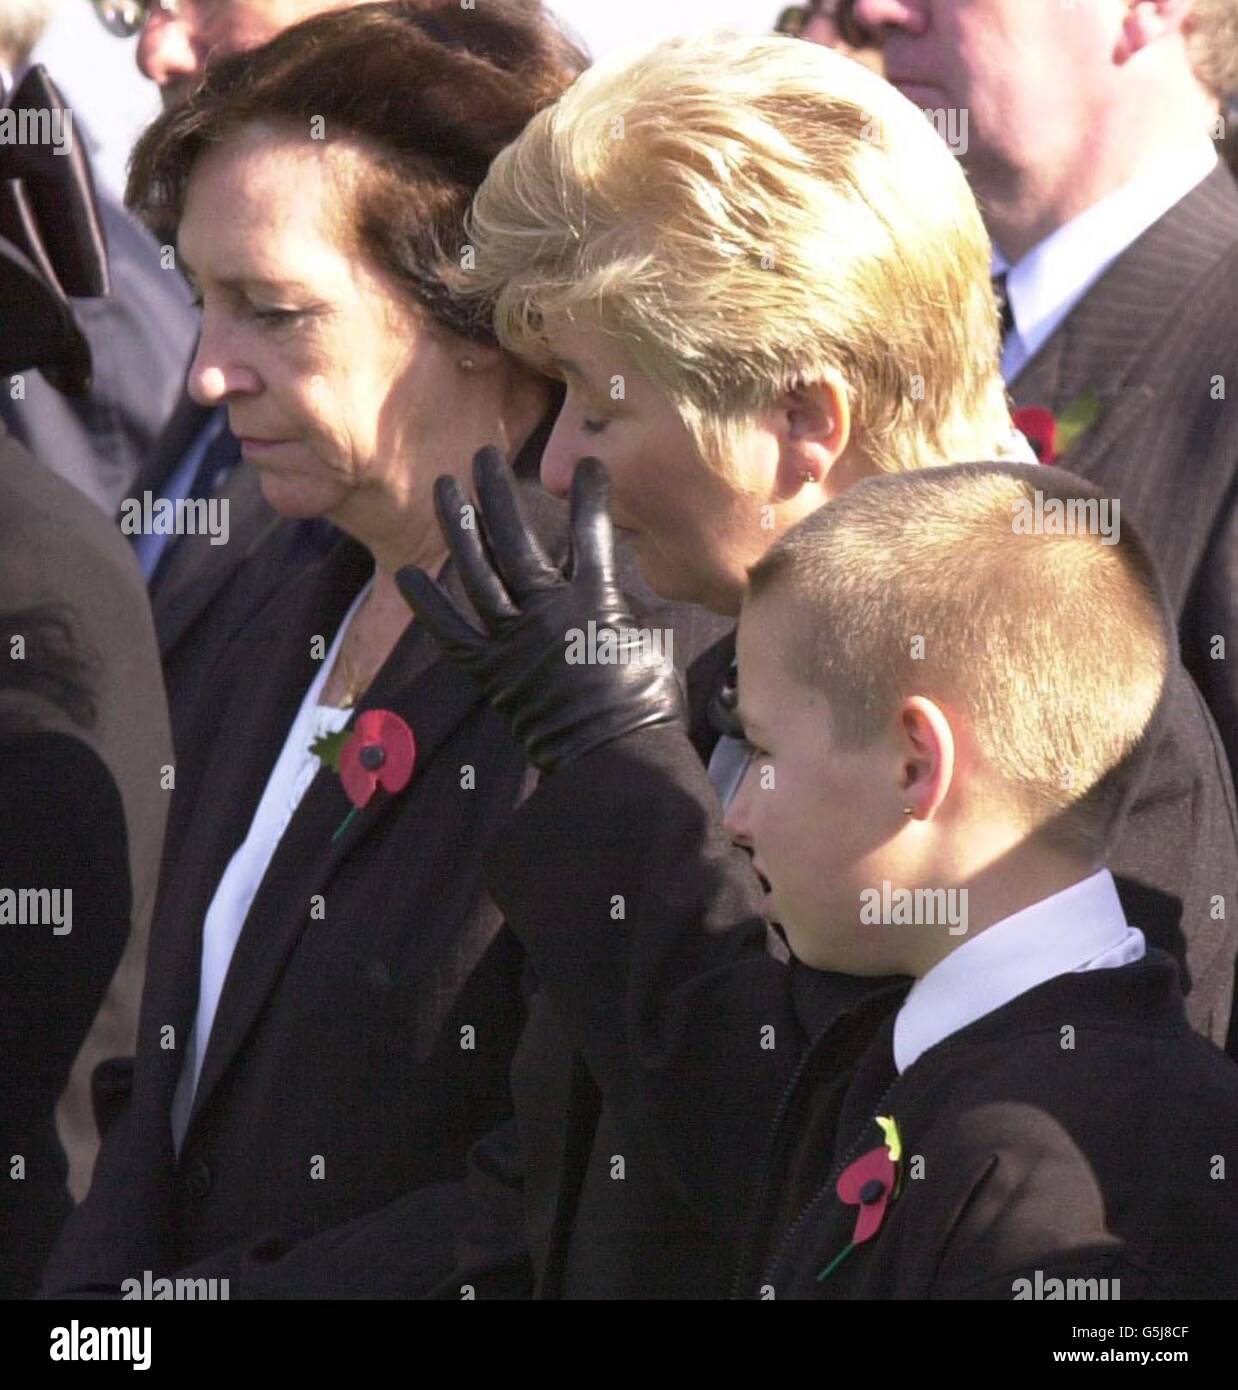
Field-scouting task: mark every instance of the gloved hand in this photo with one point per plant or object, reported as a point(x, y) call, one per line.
point(529, 659)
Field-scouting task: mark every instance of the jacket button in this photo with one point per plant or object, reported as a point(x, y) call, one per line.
point(198, 1179)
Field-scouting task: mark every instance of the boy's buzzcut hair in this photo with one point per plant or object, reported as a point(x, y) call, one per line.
point(749, 215)
point(1054, 647)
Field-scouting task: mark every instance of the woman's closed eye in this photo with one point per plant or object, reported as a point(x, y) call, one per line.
point(594, 426)
point(268, 315)
point(276, 318)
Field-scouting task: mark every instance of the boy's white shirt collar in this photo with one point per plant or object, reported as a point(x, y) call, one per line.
point(1046, 284)
point(1081, 928)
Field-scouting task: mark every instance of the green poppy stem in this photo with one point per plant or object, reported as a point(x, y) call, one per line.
point(347, 821)
point(834, 1263)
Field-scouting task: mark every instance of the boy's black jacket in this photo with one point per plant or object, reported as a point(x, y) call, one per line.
point(1092, 1162)
point(1082, 1131)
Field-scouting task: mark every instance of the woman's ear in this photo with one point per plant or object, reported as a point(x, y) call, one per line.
point(1146, 21)
point(813, 424)
point(477, 357)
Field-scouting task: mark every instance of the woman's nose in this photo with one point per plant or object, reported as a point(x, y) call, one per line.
point(558, 465)
point(214, 377)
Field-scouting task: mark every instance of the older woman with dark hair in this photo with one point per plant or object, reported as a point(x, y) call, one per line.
point(331, 1001)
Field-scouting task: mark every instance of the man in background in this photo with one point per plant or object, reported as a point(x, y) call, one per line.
point(1115, 228)
point(1090, 149)
point(830, 23)
point(141, 334)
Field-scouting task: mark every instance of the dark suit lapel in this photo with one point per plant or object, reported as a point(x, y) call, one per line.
point(196, 571)
point(433, 700)
point(256, 721)
point(185, 424)
point(1125, 313)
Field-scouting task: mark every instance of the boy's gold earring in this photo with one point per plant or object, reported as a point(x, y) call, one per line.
point(467, 364)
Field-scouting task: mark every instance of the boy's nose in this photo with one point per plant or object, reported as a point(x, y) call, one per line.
point(735, 819)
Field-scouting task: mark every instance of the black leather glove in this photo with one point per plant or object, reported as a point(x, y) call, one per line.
point(539, 662)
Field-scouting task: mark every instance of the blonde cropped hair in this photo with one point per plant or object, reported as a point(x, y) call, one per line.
point(1054, 647)
point(749, 215)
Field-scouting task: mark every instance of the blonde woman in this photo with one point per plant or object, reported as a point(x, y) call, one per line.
point(762, 278)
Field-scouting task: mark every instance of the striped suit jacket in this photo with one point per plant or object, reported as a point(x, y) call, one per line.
point(1156, 338)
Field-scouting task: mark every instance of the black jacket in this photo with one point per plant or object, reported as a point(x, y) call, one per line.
point(378, 1037)
point(1024, 1159)
point(689, 1030)
point(340, 1074)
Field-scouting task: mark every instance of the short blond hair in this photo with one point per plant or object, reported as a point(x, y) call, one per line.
point(1212, 45)
point(750, 214)
point(1055, 647)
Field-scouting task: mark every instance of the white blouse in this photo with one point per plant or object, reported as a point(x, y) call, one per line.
point(294, 770)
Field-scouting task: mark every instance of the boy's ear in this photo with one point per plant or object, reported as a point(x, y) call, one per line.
point(928, 761)
point(813, 427)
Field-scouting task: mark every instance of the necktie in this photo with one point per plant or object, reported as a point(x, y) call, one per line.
point(1003, 303)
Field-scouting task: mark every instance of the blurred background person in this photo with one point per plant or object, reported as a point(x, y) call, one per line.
point(141, 333)
point(84, 745)
point(1116, 234)
point(99, 78)
point(831, 23)
point(74, 405)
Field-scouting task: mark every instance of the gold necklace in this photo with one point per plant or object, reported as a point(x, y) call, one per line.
point(353, 687)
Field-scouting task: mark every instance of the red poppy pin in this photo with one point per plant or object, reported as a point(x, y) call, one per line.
point(1051, 435)
point(378, 751)
point(871, 1183)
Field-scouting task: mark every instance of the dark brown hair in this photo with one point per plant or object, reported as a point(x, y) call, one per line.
point(428, 90)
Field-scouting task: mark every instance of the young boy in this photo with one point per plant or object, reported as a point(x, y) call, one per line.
point(947, 700)
point(951, 679)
